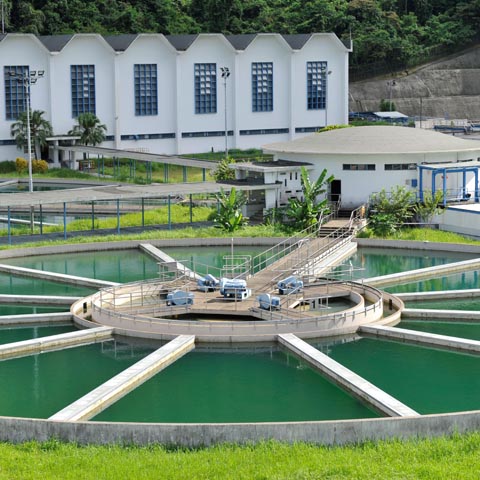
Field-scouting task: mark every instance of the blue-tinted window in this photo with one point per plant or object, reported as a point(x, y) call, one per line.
point(83, 89)
point(205, 88)
point(146, 102)
point(15, 91)
point(262, 87)
point(316, 85)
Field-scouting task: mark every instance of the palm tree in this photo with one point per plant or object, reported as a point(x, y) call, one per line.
point(40, 129)
point(305, 212)
point(89, 128)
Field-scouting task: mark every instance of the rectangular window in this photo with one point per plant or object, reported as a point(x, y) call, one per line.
point(400, 166)
point(358, 166)
point(146, 102)
point(83, 89)
point(316, 85)
point(15, 90)
point(262, 87)
point(205, 88)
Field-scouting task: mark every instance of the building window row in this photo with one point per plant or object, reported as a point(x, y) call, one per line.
point(83, 94)
point(265, 131)
point(400, 166)
point(146, 97)
point(205, 87)
point(359, 166)
point(316, 85)
point(217, 133)
point(262, 87)
point(83, 89)
point(15, 91)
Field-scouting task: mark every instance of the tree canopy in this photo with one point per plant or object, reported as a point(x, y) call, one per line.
point(382, 30)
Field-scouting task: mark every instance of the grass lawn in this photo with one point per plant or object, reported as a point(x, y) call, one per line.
point(456, 457)
point(429, 235)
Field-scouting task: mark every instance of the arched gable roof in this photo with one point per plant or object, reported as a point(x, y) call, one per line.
point(56, 43)
point(31, 36)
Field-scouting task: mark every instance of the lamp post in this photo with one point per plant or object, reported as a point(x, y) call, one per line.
point(225, 74)
point(391, 84)
point(27, 79)
point(327, 73)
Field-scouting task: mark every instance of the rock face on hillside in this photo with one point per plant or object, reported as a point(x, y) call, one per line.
point(449, 89)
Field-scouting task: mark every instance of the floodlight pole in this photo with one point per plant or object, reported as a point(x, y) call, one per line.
point(225, 74)
point(329, 72)
point(391, 84)
point(27, 79)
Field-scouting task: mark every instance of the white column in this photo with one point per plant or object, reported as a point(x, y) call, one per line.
point(176, 93)
point(292, 93)
point(116, 92)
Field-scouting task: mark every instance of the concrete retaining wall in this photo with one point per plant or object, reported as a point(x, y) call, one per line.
point(134, 244)
point(342, 432)
point(413, 245)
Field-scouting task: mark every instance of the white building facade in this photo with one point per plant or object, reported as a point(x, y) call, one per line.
point(367, 160)
point(167, 95)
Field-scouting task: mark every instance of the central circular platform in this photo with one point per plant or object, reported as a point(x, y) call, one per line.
point(140, 309)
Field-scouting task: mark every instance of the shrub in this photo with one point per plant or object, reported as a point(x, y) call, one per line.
point(39, 166)
point(21, 165)
point(7, 166)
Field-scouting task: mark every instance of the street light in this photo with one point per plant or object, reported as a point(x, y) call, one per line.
point(391, 84)
point(329, 72)
point(27, 79)
point(225, 74)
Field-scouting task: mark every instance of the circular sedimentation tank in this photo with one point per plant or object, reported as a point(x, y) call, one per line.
point(288, 419)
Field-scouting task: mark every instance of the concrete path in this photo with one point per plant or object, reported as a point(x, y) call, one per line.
point(36, 318)
point(345, 378)
point(55, 342)
point(169, 262)
point(439, 295)
point(37, 299)
point(423, 273)
point(423, 338)
point(55, 277)
point(472, 316)
point(105, 395)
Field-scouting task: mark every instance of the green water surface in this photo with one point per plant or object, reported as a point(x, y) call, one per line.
point(373, 262)
point(425, 379)
point(40, 385)
point(18, 334)
point(452, 329)
point(235, 387)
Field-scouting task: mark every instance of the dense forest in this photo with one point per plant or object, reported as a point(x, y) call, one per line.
point(382, 30)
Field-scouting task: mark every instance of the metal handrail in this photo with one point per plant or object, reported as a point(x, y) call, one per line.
point(279, 317)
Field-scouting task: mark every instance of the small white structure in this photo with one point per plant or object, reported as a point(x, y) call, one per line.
point(166, 94)
point(365, 160)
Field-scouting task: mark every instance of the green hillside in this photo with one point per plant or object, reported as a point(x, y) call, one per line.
point(394, 32)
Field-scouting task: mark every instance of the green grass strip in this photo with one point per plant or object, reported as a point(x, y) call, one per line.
point(455, 457)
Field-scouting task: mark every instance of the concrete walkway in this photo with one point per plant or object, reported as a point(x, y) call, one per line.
point(37, 300)
point(423, 338)
point(55, 342)
point(55, 277)
point(36, 318)
point(169, 262)
point(439, 295)
point(105, 395)
point(423, 273)
point(342, 376)
point(472, 316)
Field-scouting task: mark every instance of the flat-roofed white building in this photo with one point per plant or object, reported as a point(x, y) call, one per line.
point(166, 94)
point(365, 160)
